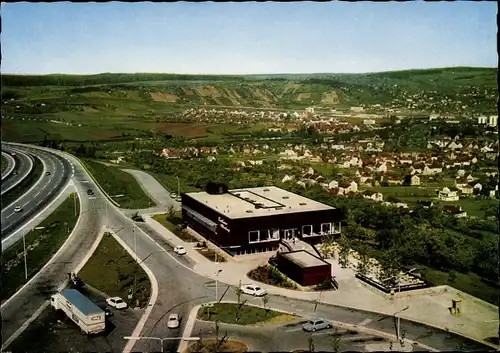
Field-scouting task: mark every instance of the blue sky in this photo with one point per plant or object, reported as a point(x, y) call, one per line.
point(243, 38)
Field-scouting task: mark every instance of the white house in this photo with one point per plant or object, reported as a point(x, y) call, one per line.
point(448, 195)
point(287, 178)
point(415, 180)
point(353, 187)
point(333, 184)
point(478, 187)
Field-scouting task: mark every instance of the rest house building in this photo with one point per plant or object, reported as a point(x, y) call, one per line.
point(250, 220)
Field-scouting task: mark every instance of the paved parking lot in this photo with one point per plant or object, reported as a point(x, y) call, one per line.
point(53, 331)
point(289, 337)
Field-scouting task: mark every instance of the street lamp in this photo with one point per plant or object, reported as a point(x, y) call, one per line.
point(178, 187)
point(162, 339)
point(399, 321)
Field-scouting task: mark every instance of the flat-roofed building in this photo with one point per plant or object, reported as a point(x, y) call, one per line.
point(303, 267)
point(255, 219)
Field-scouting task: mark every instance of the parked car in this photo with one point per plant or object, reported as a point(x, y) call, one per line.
point(180, 250)
point(316, 324)
point(253, 289)
point(173, 321)
point(116, 302)
point(18, 209)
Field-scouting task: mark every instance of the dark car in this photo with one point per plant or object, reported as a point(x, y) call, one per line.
point(90, 192)
point(47, 173)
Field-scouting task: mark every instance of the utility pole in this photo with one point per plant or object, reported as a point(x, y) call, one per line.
point(178, 187)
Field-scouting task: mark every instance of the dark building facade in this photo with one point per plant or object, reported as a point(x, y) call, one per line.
point(235, 223)
point(303, 267)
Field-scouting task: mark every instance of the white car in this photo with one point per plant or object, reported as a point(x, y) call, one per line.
point(180, 250)
point(173, 321)
point(18, 209)
point(116, 302)
point(253, 289)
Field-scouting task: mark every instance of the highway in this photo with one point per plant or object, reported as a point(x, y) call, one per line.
point(180, 288)
point(11, 163)
point(40, 194)
point(23, 166)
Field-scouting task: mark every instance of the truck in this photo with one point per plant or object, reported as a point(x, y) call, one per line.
point(89, 317)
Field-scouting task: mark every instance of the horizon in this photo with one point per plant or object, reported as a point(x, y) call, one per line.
point(246, 38)
point(258, 74)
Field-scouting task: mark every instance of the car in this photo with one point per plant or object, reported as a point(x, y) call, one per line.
point(253, 289)
point(47, 173)
point(116, 302)
point(15, 172)
point(178, 199)
point(18, 209)
point(173, 321)
point(316, 324)
point(173, 195)
point(90, 192)
point(180, 250)
point(13, 154)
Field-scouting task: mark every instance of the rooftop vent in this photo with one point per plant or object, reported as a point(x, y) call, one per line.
point(249, 211)
point(286, 197)
point(266, 189)
point(302, 203)
point(278, 208)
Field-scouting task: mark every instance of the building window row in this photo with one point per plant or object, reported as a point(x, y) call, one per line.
point(264, 235)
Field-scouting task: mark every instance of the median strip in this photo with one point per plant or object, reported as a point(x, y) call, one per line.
point(40, 244)
point(12, 195)
point(120, 185)
point(113, 271)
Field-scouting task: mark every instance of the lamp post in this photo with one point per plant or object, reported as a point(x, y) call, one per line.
point(398, 328)
point(162, 339)
point(25, 262)
point(178, 187)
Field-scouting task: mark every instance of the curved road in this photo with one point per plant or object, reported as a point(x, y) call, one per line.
point(11, 163)
point(39, 195)
point(23, 166)
point(180, 288)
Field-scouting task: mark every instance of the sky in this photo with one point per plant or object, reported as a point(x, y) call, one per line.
point(247, 37)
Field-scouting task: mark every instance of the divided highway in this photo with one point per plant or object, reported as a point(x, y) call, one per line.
point(11, 163)
point(23, 166)
point(40, 194)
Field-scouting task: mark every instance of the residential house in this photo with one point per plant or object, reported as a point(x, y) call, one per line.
point(353, 187)
point(415, 180)
point(447, 195)
point(170, 153)
point(478, 187)
point(457, 211)
point(209, 150)
point(333, 185)
point(426, 204)
point(211, 158)
point(460, 173)
point(287, 178)
point(375, 196)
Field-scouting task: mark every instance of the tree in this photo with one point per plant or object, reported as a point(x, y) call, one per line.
point(170, 211)
point(265, 301)
point(344, 251)
point(363, 264)
point(219, 342)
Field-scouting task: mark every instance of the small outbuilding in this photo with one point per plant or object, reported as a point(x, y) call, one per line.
point(303, 267)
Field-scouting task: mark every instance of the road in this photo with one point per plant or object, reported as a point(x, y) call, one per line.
point(41, 193)
point(23, 166)
point(180, 289)
point(11, 163)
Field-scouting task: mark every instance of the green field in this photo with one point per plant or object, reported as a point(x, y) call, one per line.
point(113, 271)
point(117, 182)
point(41, 245)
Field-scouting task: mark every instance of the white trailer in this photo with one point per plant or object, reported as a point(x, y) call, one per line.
point(88, 316)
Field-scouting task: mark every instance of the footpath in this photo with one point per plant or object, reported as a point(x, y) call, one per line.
point(478, 320)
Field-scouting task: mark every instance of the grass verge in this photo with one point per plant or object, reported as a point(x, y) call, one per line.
point(41, 245)
point(469, 283)
point(113, 271)
point(211, 345)
point(4, 163)
point(24, 185)
point(117, 182)
point(174, 222)
point(210, 254)
point(270, 275)
point(241, 314)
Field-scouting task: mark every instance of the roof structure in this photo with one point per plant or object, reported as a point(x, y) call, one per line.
point(257, 202)
point(304, 259)
point(81, 302)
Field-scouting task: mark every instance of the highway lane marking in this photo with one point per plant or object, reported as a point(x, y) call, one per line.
point(13, 213)
point(365, 322)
